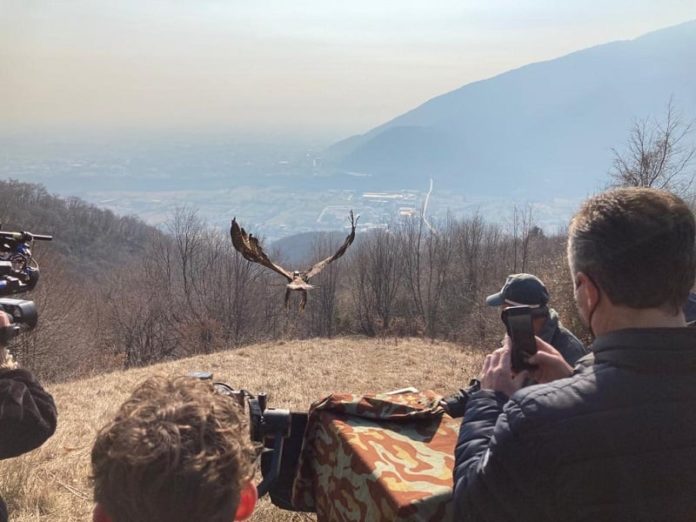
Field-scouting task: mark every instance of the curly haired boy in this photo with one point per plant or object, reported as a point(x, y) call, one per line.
point(176, 451)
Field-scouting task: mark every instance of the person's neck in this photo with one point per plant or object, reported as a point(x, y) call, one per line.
point(621, 317)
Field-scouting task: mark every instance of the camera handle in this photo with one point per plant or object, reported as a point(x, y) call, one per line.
point(7, 333)
point(269, 423)
point(274, 471)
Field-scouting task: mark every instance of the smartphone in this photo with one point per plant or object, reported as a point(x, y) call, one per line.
point(518, 321)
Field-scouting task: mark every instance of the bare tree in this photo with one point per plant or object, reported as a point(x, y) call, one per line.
point(428, 260)
point(376, 278)
point(242, 298)
point(461, 297)
point(659, 154)
point(363, 298)
point(521, 227)
point(187, 229)
point(322, 310)
point(440, 256)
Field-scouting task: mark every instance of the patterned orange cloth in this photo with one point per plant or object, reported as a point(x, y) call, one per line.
point(378, 457)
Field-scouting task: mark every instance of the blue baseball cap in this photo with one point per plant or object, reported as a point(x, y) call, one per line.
point(520, 289)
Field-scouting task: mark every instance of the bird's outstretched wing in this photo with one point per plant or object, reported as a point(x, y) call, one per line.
point(249, 247)
point(321, 264)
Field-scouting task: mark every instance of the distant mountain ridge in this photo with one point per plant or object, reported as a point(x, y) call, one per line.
point(546, 126)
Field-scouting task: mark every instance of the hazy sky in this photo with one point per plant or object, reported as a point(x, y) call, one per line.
point(320, 67)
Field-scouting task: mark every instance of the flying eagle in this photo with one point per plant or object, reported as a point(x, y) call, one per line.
point(249, 247)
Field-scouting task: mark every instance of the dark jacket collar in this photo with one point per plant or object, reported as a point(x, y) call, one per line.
point(652, 350)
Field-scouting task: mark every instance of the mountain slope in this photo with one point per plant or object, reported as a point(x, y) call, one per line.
point(551, 123)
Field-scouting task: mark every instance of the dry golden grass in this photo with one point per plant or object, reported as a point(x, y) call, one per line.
point(52, 482)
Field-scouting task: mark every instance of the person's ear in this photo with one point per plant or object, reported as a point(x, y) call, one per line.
point(586, 292)
point(99, 515)
point(247, 501)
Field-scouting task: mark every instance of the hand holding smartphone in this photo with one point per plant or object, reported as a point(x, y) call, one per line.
point(518, 321)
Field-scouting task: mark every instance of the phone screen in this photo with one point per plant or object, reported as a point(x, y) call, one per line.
point(518, 321)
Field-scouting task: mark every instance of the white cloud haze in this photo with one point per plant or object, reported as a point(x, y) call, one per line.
point(309, 66)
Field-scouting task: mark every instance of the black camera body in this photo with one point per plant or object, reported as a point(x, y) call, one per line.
point(21, 311)
point(19, 273)
point(13, 281)
point(24, 317)
point(280, 433)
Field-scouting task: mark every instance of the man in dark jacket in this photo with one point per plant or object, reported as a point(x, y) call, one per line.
point(526, 289)
point(614, 438)
point(27, 411)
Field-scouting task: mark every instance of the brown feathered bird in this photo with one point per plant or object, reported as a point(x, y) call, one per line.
point(249, 247)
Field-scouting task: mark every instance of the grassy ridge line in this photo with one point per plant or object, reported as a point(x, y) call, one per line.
point(52, 483)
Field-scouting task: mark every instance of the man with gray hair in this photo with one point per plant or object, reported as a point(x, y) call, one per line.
point(615, 437)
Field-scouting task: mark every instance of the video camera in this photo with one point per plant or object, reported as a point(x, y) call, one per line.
point(23, 315)
point(280, 433)
point(19, 272)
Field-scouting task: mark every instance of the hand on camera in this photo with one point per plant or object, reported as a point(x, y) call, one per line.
point(497, 372)
point(4, 320)
point(550, 364)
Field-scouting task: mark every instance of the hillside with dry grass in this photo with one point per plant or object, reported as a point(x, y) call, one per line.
point(52, 482)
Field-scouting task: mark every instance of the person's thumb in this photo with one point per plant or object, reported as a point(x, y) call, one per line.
point(549, 367)
point(544, 347)
point(543, 359)
point(521, 378)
